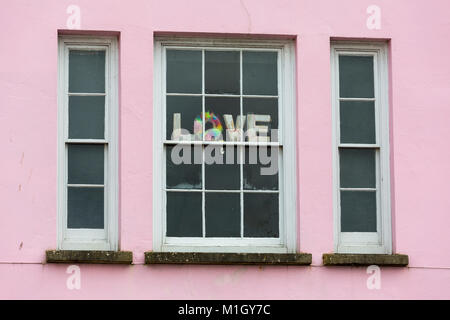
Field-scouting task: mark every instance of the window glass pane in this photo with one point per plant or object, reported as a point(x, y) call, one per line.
point(261, 215)
point(183, 167)
point(86, 163)
point(357, 168)
point(222, 72)
point(222, 214)
point(223, 176)
point(87, 117)
point(266, 112)
point(254, 178)
point(87, 71)
point(85, 208)
point(358, 211)
point(356, 77)
point(220, 107)
point(184, 71)
point(357, 120)
point(259, 72)
point(188, 108)
point(184, 214)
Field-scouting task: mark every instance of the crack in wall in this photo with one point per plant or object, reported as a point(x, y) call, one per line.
point(249, 18)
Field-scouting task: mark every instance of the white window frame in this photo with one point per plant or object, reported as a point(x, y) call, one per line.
point(287, 189)
point(379, 242)
point(89, 239)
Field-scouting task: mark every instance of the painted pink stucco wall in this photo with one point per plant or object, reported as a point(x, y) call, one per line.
point(419, 34)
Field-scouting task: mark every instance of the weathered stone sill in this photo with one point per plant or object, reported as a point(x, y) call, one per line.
point(82, 256)
point(340, 259)
point(228, 258)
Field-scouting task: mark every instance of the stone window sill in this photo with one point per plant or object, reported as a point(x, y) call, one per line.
point(82, 256)
point(227, 258)
point(340, 259)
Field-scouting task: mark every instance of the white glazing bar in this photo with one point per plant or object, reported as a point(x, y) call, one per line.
point(241, 149)
point(358, 189)
point(203, 149)
point(223, 191)
point(356, 99)
point(184, 94)
point(87, 141)
point(87, 94)
point(358, 145)
point(259, 96)
point(222, 95)
point(79, 185)
point(203, 95)
point(183, 190)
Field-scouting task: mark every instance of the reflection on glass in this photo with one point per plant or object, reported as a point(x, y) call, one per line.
point(358, 211)
point(184, 71)
point(222, 72)
point(87, 117)
point(85, 208)
point(222, 214)
point(259, 73)
point(223, 175)
point(261, 215)
point(357, 119)
point(184, 214)
point(357, 168)
point(356, 76)
point(86, 71)
point(254, 177)
point(86, 163)
point(183, 167)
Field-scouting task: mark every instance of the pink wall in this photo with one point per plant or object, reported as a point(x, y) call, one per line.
point(419, 33)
